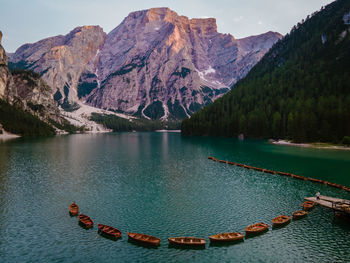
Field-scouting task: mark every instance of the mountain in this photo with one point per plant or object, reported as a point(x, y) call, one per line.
point(27, 106)
point(300, 90)
point(6, 81)
point(155, 64)
point(60, 60)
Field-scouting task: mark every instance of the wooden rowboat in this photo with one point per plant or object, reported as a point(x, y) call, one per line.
point(143, 238)
point(85, 221)
point(186, 241)
point(256, 228)
point(109, 231)
point(308, 205)
point(226, 237)
point(280, 220)
point(74, 209)
point(299, 214)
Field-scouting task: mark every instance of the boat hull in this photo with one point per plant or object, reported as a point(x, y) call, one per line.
point(187, 241)
point(308, 205)
point(85, 221)
point(280, 221)
point(256, 229)
point(226, 237)
point(299, 214)
point(73, 209)
point(109, 232)
point(74, 213)
point(144, 239)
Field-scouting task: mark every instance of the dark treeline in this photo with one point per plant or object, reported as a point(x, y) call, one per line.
point(300, 90)
point(18, 121)
point(119, 124)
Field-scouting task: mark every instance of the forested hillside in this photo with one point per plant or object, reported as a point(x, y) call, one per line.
point(16, 120)
point(119, 124)
point(300, 90)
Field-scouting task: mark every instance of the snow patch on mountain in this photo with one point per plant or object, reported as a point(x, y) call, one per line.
point(81, 117)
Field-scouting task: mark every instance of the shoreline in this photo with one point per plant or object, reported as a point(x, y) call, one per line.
point(8, 136)
point(5, 136)
point(164, 130)
point(315, 145)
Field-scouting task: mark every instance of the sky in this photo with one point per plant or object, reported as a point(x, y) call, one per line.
point(28, 21)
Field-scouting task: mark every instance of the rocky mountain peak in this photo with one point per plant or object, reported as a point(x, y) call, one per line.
point(82, 33)
point(155, 64)
point(61, 59)
point(3, 56)
point(161, 14)
point(204, 26)
point(6, 82)
point(166, 15)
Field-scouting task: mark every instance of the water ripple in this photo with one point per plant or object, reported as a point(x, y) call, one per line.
point(162, 184)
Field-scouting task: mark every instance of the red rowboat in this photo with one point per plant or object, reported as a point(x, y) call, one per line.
point(226, 237)
point(280, 220)
point(85, 221)
point(186, 241)
point(308, 205)
point(109, 231)
point(74, 209)
point(256, 228)
point(299, 214)
point(143, 238)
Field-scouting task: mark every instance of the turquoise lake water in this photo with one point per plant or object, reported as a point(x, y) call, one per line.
point(164, 185)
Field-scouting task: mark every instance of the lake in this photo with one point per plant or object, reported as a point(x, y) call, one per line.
point(163, 184)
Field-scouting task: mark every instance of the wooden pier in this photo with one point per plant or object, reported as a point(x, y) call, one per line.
point(336, 204)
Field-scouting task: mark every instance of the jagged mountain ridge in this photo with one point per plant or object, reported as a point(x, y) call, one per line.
point(155, 64)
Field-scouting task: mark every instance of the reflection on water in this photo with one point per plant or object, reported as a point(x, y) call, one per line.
point(162, 184)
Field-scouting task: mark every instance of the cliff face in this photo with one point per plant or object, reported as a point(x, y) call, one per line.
point(155, 64)
point(27, 91)
point(60, 60)
point(6, 83)
point(35, 96)
point(159, 64)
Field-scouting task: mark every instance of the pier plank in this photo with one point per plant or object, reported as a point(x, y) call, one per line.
point(326, 201)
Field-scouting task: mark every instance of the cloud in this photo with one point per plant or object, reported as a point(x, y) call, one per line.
point(260, 23)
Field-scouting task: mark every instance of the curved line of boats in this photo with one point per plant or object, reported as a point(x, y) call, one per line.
point(229, 237)
point(282, 173)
